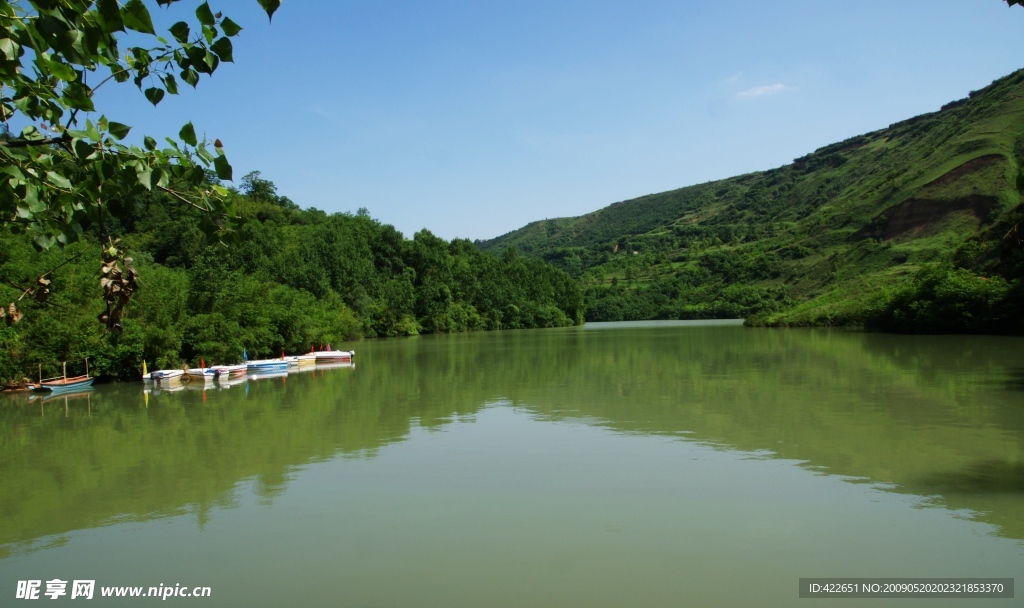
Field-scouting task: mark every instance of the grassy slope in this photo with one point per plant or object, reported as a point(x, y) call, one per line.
point(828, 232)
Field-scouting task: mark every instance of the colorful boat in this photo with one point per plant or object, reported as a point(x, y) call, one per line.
point(63, 384)
point(307, 360)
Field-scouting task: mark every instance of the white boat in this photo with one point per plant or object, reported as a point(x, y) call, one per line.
point(206, 374)
point(292, 361)
point(307, 360)
point(166, 374)
point(225, 372)
point(334, 356)
point(267, 366)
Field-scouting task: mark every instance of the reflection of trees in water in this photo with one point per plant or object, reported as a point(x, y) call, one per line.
point(984, 477)
point(907, 411)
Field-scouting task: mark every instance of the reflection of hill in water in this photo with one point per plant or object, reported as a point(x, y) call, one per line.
point(933, 415)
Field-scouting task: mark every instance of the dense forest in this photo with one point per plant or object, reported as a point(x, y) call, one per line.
point(909, 228)
point(291, 279)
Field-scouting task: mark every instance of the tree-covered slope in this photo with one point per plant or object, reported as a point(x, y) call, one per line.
point(827, 239)
point(294, 278)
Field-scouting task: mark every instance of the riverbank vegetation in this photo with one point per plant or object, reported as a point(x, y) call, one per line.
point(908, 228)
point(294, 278)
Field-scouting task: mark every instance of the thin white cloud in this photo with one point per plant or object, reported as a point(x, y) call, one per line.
point(761, 91)
point(734, 78)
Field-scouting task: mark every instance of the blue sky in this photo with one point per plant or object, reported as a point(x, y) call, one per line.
point(473, 118)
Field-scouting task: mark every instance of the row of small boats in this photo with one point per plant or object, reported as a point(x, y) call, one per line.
point(224, 373)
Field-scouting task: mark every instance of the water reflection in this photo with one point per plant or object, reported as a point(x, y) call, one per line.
point(938, 417)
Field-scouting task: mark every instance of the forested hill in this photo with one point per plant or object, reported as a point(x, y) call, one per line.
point(837, 237)
point(295, 278)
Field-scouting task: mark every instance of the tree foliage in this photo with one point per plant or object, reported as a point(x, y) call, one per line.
point(296, 278)
point(63, 169)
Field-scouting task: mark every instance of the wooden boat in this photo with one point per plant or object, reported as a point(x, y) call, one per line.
point(63, 384)
point(334, 356)
point(73, 393)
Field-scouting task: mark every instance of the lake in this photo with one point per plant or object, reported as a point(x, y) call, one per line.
point(616, 464)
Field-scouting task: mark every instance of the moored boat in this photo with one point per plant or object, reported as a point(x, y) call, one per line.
point(64, 384)
point(334, 356)
point(306, 360)
point(167, 374)
point(205, 374)
point(226, 372)
point(267, 366)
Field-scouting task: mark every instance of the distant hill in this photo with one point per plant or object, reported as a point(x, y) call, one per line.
point(823, 240)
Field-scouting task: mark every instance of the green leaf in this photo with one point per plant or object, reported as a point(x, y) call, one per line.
point(270, 6)
point(77, 97)
point(154, 95)
point(190, 76)
point(205, 15)
point(9, 48)
point(111, 14)
point(180, 31)
point(145, 175)
point(91, 131)
point(188, 134)
point(230, 27)
point(58, 180)
point(161, 178)
point(223, 168)
point(136, 17)
point(170, 84)
point(44, 242)
point(118, 130)
point(149, 142)
point(223, 49)
point(83, 149)
point(62, 70)
point(31, 197)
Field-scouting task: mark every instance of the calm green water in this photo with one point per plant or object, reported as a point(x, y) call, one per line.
point(650, 464)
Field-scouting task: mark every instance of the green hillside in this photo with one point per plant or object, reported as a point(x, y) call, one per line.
point(836, 237)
